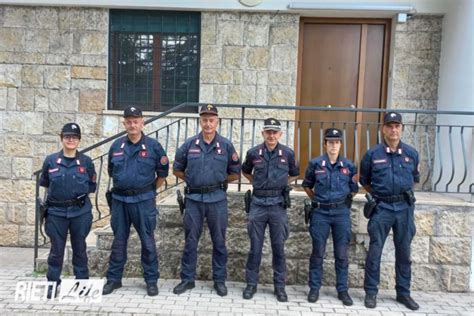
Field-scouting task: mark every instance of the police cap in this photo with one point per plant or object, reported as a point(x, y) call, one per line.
point(392, 117)
point(132, 111)
point(332, 134)
point(71, 129)
point(271, 124)
point(208, 109)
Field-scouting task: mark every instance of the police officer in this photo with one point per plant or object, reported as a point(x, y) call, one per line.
point(139, 166)
point(389, 171)
point(70, 177)
point(206, 162)
point(330, 181)
point(269, 166)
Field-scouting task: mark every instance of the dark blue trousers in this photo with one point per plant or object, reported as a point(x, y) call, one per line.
point(339, 221)
point(276, 218)
point(143, 217)
point(57, 227)
point(216, 215)
point(403, 225)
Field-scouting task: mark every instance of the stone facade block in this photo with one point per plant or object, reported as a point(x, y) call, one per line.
point(425, 223)
point(37, 41)
point(92, 100)
point(5, 167)
point(88, 84)
point(12, 40)
point(258, 58)
point(283, 34)
point(229, 32)
point(60, 43)
point(455, 278)
point(57, 77)
point(18, 145)
point(22, 168)
point(80, 72)
point(451, 223)
point(233, 57)
point(63, 101)
point(256, 34)
point(92, 43)
point(25, 99)
point(10, 76)
point(211, 56)
point(450, 250)
point(9, 235)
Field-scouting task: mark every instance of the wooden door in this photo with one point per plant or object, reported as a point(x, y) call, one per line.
point(341, 63)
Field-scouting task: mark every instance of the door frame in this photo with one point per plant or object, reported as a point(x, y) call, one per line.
point(360, 85)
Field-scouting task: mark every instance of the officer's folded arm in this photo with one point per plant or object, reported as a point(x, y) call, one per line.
point(179, 174)
point(248, 176)
point(159, 182)
point(309, 192)
point(232, 177)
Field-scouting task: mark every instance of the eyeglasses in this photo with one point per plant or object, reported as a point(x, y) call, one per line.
point(71, 137)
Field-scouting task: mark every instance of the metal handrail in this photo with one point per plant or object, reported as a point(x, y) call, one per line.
point(241, 123)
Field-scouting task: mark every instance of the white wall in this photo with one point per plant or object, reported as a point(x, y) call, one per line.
point(456, 79)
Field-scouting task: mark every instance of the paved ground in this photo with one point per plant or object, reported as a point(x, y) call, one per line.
point(16, 265)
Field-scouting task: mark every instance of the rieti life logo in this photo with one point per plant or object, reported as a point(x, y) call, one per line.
point(70, 291)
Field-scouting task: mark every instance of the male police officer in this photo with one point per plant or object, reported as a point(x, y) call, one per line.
point(139, 166)
point(206, 162)
point(273, 166)
point(330, 181)
point(389, 171)
point(69, 177)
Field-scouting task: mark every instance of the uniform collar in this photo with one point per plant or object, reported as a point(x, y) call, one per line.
point(326, 162)
point(214, 143)
point(141, 141)
point(61, 160)
point(399, 150)
point(263, 148)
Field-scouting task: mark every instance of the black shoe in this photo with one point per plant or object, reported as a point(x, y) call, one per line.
point(408, 302)
point(183, 287)
point(313, 295)
point(50, 293)
point(281, 294)
point(220, 288)
point(345, 298)
point(249, 291)
point(370, 300)
point(151, 290)
point(110, 286)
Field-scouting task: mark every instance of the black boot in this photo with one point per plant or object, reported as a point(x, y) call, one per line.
point(220, 288)
point(408, 302)
point(183, 287)
point(313, 295)
point(280, 294)
point(249, 291)
point(110, 286)
point(370, 300)
point(345, 298)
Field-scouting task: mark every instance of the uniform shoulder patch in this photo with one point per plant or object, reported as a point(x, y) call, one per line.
point(164, 160)
point(235, 157)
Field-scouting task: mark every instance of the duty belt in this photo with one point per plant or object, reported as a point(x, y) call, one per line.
point(132, 192)
point(337, 204)
point(267, 193)
point(206, 189)
point(391, 198)
point(79, 201)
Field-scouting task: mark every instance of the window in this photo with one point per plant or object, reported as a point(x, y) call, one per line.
point(154, 59)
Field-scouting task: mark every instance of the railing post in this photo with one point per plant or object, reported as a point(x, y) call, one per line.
point(37, 220)
point(242, 120)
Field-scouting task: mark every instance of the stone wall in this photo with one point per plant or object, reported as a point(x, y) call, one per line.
point(53, 66)
point(441, 249)
point(415, 74)
point(53, 69)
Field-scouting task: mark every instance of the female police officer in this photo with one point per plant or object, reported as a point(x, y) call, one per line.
point(69, 177)
point(329, 182)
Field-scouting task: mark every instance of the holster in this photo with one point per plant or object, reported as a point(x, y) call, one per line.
point(410, 197)
point(307, 211)
point(286, 197)
point(108, 197)
point(180, 199)
point(43, 208)
point(369, 206)
point(247, 200)
point(349, 200)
